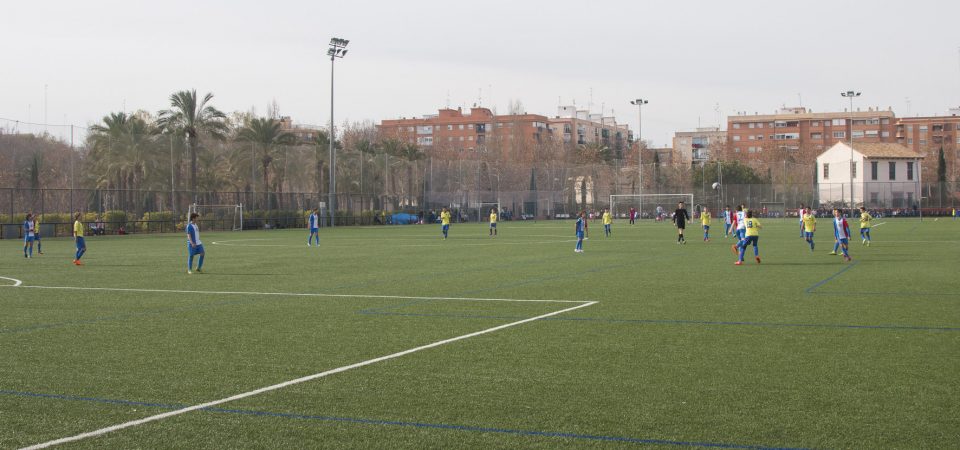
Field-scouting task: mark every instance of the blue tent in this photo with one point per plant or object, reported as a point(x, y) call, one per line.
point(403, 219)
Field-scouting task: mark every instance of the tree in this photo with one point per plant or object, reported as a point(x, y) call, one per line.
point(734, 172)
point(266, 136)
point(941, 167)
point(190, 118)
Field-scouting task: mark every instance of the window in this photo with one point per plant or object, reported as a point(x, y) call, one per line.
point(853, 170)
point(424, 129)
point(759, 137)
point(923, 128)
point(469, 138)
point(815, 123)
point(885, 121)
point(885, 134)
point(449, 138)
point(909, 128)
point(759, 124)
point(427, 140)
point(856, 134)
point(874, 197)
point(859, 122)
point(784, 136)
point(461, 126)
point(751, 125)
point(816, 135)
point(410, 129)
point(736, 137)
point(910, 141)
point(449, 127)
point(874, 121)
point(874, 168)
point(836, 122)
point(752, 149)
point(893, 170)
point(923, 142)
point(736, 126)
point(826, 171)
point(910, 170)
point(839, 134)
point(461, 138)
point(871, 133)
point(751, 137)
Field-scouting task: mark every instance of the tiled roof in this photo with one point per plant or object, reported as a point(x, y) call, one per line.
point(885, 150)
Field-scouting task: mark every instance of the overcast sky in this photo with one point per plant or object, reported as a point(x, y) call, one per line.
point(410, 58)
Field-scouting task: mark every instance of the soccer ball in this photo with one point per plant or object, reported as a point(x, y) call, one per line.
point(716, 185)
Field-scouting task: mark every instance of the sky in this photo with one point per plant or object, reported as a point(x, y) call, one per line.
point(695, 61)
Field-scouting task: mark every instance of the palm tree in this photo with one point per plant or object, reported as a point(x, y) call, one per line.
point(122, 151)
point(191, 118)
point(266, 136)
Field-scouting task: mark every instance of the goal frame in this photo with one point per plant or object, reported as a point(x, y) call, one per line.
point(484, 206)
point(237, 224)
point(688, 199)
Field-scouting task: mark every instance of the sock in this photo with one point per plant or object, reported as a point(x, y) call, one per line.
point(756, 250)
point(836, 245)
point(200, 262)
point(31, 250)
point(38, 247)
point(189, 262)
point(81, 252)
point(742, 251)
point(24, 250)
point(845, 252)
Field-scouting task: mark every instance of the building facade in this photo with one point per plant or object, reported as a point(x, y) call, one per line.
point(876, 175)
point(927, 135)
point(793, 129)
point(700, 145)
point(460, 131)
point(580, 127)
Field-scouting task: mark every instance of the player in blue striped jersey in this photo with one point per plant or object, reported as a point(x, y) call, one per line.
point(194, 245)
point(581, 229)
point(314, 223)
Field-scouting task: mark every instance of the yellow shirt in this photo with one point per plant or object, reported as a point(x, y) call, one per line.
point(865, 219)
point(78, 229)
point(705, 218)
point(607, 220)
point(493, 217)
point(753, 226)
point(809, 223)
point(445, 218)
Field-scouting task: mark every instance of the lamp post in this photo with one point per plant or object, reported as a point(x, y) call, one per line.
point(640, 102)
point(851, 95)
point(338, 49)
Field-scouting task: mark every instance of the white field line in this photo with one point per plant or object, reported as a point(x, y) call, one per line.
point(274, 387)
point(19, 284)
point(489, 243)
point(881, 223)
point(16, 282)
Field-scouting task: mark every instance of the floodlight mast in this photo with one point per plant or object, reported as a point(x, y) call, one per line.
point(337, 50)
point(851, 95)
point(640, 102)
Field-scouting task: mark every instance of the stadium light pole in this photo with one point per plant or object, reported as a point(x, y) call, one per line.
point(640, 102)
point(851, 95)
point(338, 49)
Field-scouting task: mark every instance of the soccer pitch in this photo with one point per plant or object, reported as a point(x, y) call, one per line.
point(391, 337)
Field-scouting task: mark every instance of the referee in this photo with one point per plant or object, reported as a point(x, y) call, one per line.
point(680, 218)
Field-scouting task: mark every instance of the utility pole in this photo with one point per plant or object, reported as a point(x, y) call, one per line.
point(338, 49)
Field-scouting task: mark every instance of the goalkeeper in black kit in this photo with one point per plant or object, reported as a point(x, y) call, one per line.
point(680, 218)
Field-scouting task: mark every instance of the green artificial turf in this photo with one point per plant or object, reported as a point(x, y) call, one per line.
point(682, 348)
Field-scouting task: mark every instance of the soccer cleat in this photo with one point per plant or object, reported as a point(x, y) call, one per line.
point(868, 244)
point(758, 260)
point(832, 253)
point(189, 272)
point(308, 245)
point(847, 258)
point(199, 270)
point(40, 253)
point(738, 263)
point(77, 262)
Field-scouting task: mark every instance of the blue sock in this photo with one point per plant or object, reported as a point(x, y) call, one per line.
point(31, 250)
point(836, 245)
point(868, 238)
point(742, 250)
point(756, 250)
point(190, 263)
point(38, 247)
point(845, 251)
point(200, 262)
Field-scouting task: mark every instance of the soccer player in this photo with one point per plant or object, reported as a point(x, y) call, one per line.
point(680, 218)
point(752, 235)
point(313, 221)
point(493, 222)
point(800, 213)
point(705, 221)
point(633, 215)
point(727, 221)
point(78, 239)
point(607, 222)
point(809, 226)
point(841, 231)
point(194, 245)
point(865, 219)
point(28, 236)
point(36, 233)
point(741, 222)
point(580, 228)
point(445, 222)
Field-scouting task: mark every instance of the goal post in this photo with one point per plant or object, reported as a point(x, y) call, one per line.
point(483, 210)
point(228, 215)
point(647, 205)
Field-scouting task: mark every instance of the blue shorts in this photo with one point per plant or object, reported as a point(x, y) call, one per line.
point(194, 250)
point(808, 234)
point(579, 235)
point(36, 236)
point(314, 230)
point(751, 240)
point(493, 225)
point(706, 227)
point(28, 239)
point(81, 243)
point(861, 230)
point(844, 241)
point(445, 227)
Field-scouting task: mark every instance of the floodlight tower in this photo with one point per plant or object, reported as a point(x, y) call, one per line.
point(338, 49)
point(851, 95)
point(640, 102)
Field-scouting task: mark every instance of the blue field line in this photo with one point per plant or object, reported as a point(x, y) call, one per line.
point(47, 326)
point(397, 423)
point(681, 322)
point(810, 289)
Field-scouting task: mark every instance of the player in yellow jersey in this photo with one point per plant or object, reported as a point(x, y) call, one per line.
point(865, 220)
point(809, 226)
point(607, 222)
point(493, 222)
point(752, 236)
point(705, 217)
point(78, 239)
point(36, 233)
point(445, 222)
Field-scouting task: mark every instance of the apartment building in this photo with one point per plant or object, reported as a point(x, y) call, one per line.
point(700, 145)
point(926, 134)
point(581, 127)
point(305, 134)
point(795, 128)
point(457, 130)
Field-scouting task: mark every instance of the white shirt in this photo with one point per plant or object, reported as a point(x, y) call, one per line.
point(194, 231)
point(313, 221)
point(800, 213)
point(741, 220)
point(841, 232)
point(727, 217)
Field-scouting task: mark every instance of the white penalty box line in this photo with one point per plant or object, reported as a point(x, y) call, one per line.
point(19, 284)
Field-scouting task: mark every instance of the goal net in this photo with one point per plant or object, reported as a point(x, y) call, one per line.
point(219, 217)
point(483, 210)
point(773, 209)
point(648, 206)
